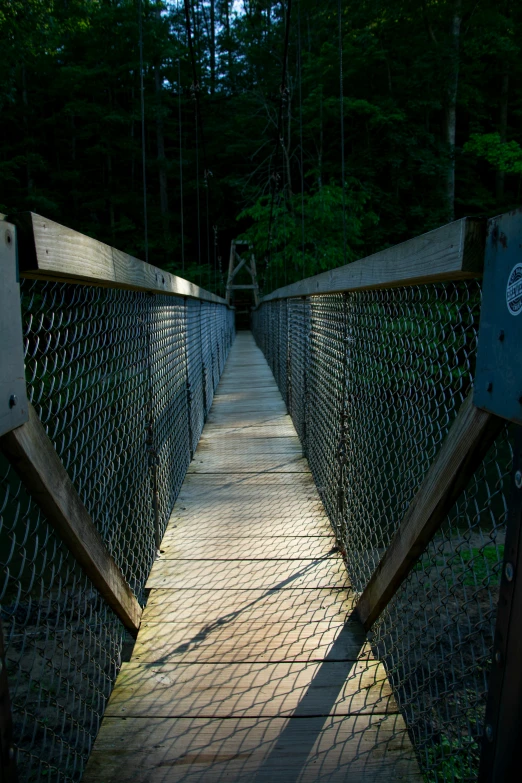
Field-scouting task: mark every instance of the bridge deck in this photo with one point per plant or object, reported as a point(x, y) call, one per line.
point(249, 665)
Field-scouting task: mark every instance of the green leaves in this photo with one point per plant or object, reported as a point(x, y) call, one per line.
point(294, 254)
point(503, 155)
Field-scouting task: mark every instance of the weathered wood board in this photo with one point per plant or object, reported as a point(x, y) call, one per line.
point(249, 574)
point(273, 547)
point(251, 690)
point(237, 639)
point(333, 749)
point(300, 605)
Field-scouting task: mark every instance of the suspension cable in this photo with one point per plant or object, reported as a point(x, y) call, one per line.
point(143, 153)
point(341, 103)
point(181, 170)
point(199, 123)
point(283, 90)
point(300, 67)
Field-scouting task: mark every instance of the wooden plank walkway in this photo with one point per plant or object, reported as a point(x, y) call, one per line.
point(250, 665)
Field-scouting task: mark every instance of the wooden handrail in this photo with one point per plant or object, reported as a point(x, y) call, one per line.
point(50, 251)
point(451, 252)
point(33, 456)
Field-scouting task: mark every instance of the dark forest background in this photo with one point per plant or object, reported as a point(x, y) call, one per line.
point(432, 109)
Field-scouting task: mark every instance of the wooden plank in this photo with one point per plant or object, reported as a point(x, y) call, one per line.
point(255, 526)
point(297, 604)
point(335, 749)
point(256, 548)
point(451, 252)
point(34, 458)
point(250, 690)
point(214, 444)
point(466, 444)
point(237, 639)
point(245, 418)
point(251, 430)
point(263, 574)
point(244, 463)
point(50, 251)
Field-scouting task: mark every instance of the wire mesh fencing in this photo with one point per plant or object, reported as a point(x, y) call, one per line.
point(375, 380)
point(118, 378)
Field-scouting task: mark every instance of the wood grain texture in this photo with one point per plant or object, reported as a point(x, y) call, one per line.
point(300, 605)
point(50, 251)
point(335, 749)
point(451, 252)
point(34, 458)
point(251, 690)
point(248, 574)
point(235, 638)
point(465, 446)
point(255, 548)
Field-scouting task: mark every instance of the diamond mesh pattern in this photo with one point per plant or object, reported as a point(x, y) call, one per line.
point(325, 393)
point(108, 372)
point(435, 637)
point(376, 379)
point(298, 353)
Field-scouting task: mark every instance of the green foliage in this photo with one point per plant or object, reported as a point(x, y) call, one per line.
point(306, 234)
point(503, 155)
point(452, 759)
point(70, 125)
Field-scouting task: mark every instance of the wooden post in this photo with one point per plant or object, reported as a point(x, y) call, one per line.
point(34, 458)
point(465, 446)
point(8, 773)
point(499, 762)
point(253, 272)
point(230, 271)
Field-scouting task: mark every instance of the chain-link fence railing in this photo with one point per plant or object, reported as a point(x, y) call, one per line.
point(122, 382)
point(375, 379)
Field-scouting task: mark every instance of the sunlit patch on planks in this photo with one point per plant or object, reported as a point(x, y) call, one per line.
point(249, 664)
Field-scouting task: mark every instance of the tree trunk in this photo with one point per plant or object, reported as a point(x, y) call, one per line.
point(111, 197)
point(229, 47)
point(25, 103)
point(286, 152)
point(500, 177)
point(451, 107)
point(162, 161)
point(160, 147)
point(212, 46)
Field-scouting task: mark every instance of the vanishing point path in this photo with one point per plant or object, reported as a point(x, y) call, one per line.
point(249, 664)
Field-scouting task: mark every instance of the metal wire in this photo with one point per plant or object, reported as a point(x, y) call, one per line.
point(375, 380)
point(436, 635)
point(117, 380)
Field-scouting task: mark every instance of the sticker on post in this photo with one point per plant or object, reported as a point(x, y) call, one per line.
point(514, 290)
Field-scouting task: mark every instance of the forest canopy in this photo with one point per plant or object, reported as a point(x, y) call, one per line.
point(245, 137)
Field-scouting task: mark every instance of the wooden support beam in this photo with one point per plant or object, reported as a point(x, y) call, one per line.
point(50, 251)
point(452, 252)
point(242, 262)
point(34, 458)
point(465, 446)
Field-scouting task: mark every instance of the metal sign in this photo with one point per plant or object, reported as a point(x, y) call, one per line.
point(13, 394)
point(498, 378)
